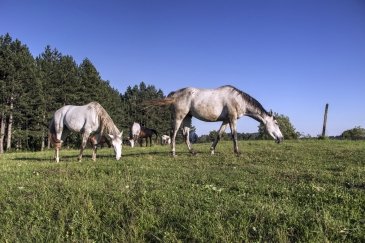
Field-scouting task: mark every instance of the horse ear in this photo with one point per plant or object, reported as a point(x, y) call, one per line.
point(111, 136)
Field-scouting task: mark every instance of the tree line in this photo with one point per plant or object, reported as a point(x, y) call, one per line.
point(33, 88)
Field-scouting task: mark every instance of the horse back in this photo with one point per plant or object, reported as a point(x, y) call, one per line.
point(77, 118)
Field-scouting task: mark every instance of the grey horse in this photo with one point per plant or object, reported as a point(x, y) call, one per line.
point(87, 119)
point(226, 104)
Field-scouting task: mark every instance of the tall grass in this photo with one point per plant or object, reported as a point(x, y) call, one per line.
point(296, 191)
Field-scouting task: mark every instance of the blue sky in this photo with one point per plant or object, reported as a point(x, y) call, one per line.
point(292, 56)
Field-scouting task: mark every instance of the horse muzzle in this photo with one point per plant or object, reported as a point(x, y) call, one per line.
point(279, 139)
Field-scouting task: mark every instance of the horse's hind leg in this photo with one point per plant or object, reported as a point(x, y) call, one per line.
point(186, 132)
point(221, 130)
point(233, 125)
point(57, 152)
point(57, 140)
point(177, 124)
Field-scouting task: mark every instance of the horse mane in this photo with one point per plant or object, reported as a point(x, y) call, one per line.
point(106, 123)
point(249, 99)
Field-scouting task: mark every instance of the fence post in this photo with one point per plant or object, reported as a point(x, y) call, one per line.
point(325, 121)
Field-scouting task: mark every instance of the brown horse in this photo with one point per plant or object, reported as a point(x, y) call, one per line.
point(147, 134)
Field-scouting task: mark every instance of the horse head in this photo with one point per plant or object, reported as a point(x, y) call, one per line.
point(117, 144)
point(272, 127)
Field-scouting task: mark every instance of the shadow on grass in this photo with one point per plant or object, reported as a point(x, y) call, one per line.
point(70, 158)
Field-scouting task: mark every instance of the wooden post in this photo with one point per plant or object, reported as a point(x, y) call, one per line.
point(325, 121)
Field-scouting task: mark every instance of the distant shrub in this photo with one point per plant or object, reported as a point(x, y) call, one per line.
point(354, 133)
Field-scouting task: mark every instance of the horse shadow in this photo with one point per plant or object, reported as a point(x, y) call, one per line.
point(86, 157)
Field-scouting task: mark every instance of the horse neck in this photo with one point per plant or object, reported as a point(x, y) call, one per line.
point(108, 127)
point(256, 113)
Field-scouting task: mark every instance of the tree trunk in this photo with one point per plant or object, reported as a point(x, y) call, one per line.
point(10, 125)
point(2, 132)
point(42, 141)
point(43, 144)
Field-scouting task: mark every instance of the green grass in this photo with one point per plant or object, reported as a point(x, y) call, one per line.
point(296, 191)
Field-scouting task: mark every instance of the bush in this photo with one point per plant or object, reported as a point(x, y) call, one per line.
point(354, 133)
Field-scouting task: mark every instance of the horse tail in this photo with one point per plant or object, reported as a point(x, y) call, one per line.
point(160, 102)
point(52, 132)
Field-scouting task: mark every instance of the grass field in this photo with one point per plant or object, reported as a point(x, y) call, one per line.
point(296, 191)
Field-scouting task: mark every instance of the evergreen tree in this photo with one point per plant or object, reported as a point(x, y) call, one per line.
point(32, 90)
point(48, 64)
point(47, 72)
point(19, 73)
point(67, 81)
point(89, 85)
point(157, 117)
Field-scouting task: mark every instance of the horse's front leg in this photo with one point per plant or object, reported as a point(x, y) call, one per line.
point(220, 132)
point(85, 136)
point(94, 152)
point(94, 144)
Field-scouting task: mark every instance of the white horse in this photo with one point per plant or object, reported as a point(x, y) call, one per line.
point(134, 133)
point(138, 132)
point(165, 139)
point(88, 119)
point(226, 104)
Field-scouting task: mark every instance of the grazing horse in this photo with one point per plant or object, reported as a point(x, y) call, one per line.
point(165, 140)
point(137, 132)
point(134, 133)
point(88, 119)
point(226, 104)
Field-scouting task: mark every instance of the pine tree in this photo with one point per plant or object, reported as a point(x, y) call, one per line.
point(19, 70)
point(157, 117)
point(47, 72)
point(67, 80)
point(89, 83)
